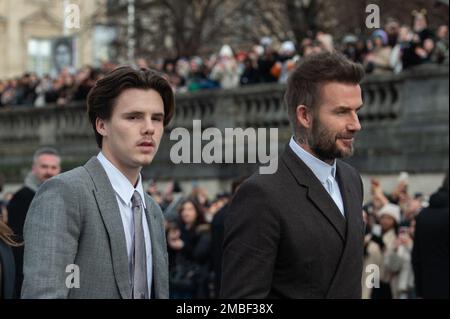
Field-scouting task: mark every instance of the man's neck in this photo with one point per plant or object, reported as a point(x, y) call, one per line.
point(132, 174)
point(308, 149)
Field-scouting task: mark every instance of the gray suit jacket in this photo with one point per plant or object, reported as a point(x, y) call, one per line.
point(74, 219)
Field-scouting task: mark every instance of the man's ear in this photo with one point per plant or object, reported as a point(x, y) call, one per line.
point(100, 127)
point(304, 116)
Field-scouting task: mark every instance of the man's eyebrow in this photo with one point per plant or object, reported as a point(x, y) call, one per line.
point(348, 108)
point(138, 113)
point(132, 113)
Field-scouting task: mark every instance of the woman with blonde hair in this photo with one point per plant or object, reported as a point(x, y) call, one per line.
point(7, 267)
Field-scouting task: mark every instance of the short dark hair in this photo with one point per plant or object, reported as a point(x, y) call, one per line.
point(45, 151)
point(312, 73)
point(103, 96)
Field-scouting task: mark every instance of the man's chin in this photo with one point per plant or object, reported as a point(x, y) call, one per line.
point(346, 153)
point(145, 159)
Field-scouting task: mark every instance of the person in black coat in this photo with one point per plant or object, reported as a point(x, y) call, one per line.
point(189, 248)
point(430, 252)
point(217, 234)
point(46, 164)
point(7, 266)
point(299, 232)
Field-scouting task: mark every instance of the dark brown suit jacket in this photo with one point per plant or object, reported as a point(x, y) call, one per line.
point(286, 238)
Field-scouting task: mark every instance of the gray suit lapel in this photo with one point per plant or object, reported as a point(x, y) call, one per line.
point(109, 210)
point(158, 239)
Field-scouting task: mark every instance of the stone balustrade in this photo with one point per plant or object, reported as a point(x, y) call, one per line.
point(404, 118)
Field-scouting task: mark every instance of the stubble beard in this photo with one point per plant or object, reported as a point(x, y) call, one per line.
point(324, 143)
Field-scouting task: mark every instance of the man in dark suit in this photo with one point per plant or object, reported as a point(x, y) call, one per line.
point(46, 164)
point(298, 233)
point(430, 251)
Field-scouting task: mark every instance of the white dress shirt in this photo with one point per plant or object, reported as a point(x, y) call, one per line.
point(124, 192)
point(324, 172)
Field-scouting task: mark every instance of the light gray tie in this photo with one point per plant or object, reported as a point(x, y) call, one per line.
point(331, 181)
point(140, 287)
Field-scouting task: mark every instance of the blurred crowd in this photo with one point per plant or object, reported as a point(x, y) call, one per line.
point(393, 48)
point(194, 230)
point(406, 243)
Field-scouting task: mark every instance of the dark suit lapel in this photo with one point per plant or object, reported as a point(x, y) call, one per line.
point(110, 212)
point(354, 237)
point(316, 193)
point(348, 196)
point(351, 198)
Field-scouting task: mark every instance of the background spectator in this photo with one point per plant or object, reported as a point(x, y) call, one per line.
point(189, 246)
point(430, 252)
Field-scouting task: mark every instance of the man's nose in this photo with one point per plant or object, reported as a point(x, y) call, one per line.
point(355, 124)
point(149, 127)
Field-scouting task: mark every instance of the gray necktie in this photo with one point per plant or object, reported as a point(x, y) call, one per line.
point(331, 181)
point(140, 287)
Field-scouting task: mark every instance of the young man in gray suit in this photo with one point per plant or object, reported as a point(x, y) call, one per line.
point(298, 233)
point(92, 232)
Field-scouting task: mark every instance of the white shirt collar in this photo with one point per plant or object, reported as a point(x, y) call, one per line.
point(121, 185)
point(320, 169)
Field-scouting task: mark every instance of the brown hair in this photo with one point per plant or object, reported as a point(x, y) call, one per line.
point(200, 218)
point(6, 234)
point(102, 97)
point(304, 84)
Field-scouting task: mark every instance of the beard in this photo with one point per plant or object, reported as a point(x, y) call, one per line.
point(323, 142)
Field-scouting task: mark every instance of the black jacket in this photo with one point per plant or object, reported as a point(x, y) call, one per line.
point(217, 233)
point(286, 238)
point(7, 279)
point(192, 261)
point(430, 252)
point(17, 213)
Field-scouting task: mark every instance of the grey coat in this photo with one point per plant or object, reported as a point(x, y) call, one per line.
point(75, 219)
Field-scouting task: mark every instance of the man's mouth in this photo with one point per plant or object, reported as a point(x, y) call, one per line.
point(347, 140)
point(146, 146)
